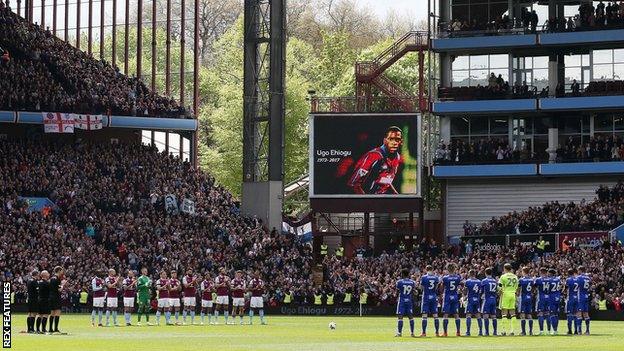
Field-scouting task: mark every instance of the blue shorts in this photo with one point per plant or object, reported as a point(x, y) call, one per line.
point(489, 306)
point(450, 304)
point(571, 305)
point(404, 308)
point(582, 305)
point(472, 306)
point(429, 305)
point(542, 303)
point(525, 304)
point(555, 302)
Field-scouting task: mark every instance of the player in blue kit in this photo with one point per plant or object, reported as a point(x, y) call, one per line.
point(542, 302)
point(450, 298)
point(571, 288)
point(555, 300)
point(525, 303)
point(405, 305)
point(429, 306)
point(489, 287)
point(473, 296)
point(584, 282)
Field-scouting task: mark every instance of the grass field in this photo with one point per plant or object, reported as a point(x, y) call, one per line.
point(296, 333)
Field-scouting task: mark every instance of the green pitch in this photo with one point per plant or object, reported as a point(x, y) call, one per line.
point(297, 333)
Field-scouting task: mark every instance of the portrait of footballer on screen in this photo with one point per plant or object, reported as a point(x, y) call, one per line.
point(365, 155)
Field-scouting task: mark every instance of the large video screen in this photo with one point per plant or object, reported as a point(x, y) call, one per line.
point(365, 155)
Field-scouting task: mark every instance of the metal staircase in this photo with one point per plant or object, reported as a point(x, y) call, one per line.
point(371, 73)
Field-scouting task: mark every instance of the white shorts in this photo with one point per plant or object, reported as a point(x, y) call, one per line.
point(206, 303)
point(163, 303)
point(128, 301)
point(223, 300)
point(111, 302)
point(174, 302)
point(190, 301)
point(98, 302)
point(238, 301)
point(256, 302)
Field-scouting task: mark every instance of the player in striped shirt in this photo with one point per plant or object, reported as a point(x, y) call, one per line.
point(189, 283)
point(112, 284)
point(207, 289)
point(129, 288)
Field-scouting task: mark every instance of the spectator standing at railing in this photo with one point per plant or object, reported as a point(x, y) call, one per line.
point(576, 88)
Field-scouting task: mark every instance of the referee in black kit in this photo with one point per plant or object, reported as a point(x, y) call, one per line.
point(32, 285)
point(44, 302)
point(56, 285)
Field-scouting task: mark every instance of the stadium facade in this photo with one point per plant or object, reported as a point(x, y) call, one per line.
point(551, 113)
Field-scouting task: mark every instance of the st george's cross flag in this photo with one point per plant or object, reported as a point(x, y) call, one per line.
point(55, 122)
point(88, 122)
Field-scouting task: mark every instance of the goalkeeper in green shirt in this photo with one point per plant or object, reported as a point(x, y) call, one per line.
point(508, 286)
point(144, 284)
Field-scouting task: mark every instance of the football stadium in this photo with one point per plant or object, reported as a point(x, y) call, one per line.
point(312, 174)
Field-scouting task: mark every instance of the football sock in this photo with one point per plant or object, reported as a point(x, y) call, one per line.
point(400, 326)
point(494, 325)
point(38, 323)
point(184, 316)
point(512, 321)
point(503, 322)
point(436, 324)
point(29, 324)
point(100, 315)
point(251, 314)
point(540, 321)
point(523, 325)
point(531, 326)
point(127, 317)
point(107, 317)
point(226, 314)
point(480, 325)
point(56, 322)
point(192, 316)
point(177, 316)
point(570, 319)
point(93, 317)
point(578, 322)
point(486, 323)
point(587, 325)
point(115, 317)
point(468, 322)
point(457, 324)
point(216, 316)
point(44, 321)
point(424, 325)
point(411, 323)
point(261, 313)
point(445, 325)
point(158, 317)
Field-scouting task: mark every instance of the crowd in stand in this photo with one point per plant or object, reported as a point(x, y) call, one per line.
point(41, 72)
point(589, 17)
point(111, 213)
point(605, 213)
point(493, 150)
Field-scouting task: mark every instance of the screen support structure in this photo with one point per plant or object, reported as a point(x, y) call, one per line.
point(264, 109)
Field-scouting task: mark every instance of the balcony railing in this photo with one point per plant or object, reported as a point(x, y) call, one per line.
point(350, 104)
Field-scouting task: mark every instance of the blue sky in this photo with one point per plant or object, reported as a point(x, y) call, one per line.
point(417, 8)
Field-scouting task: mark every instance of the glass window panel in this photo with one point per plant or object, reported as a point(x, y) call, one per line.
point(603, 56)
point(603, 123)
point(618, 55)
point(478, 77)
point(459, 126)
point(540, 144)
point(618, 121)
point(573, 60)
point(499, 61)
point(542, 124)
point(569, 125)
point(540, 78)
point(460, 62)
point(585, 60)
point(480, 61)
point(586, 124)
point(618, 71)
point(478, 125)
point(603, 72)
point(460, 78)
point(499, 125)
point(572, 73)
point(540, 62)
point(460, 12)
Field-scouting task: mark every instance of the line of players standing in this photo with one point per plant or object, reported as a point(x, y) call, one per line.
point(528, 295)
point(170, 290)
point(44, 301)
